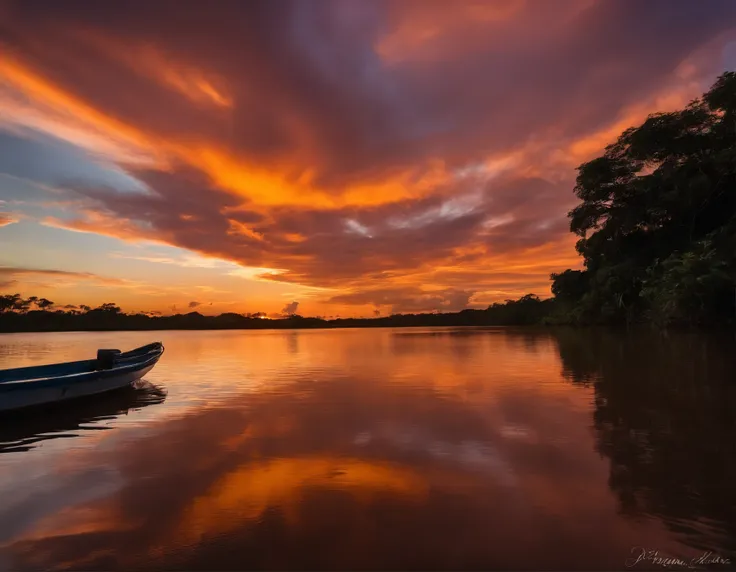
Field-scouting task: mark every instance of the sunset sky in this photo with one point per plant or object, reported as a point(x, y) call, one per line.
point(338, 157)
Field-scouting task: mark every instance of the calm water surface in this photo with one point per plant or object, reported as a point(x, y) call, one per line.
point(378, 449)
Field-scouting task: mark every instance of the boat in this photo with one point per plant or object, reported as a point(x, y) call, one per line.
point(46, 384)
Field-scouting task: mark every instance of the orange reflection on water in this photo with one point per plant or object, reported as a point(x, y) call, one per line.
point(249, 491)
point(336, 449)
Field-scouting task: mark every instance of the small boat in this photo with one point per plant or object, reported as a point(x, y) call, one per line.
point(41, 385)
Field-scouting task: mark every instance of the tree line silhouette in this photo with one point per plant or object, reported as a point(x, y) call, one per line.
point(657, 228)
point(18, 314)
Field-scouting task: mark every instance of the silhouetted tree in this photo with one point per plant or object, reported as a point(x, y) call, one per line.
point(657, 219)
point(22, 305)
point(570, 285)
point(7, 302)
point(109, 307)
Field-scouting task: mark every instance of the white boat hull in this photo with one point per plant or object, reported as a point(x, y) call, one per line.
point(33, 396)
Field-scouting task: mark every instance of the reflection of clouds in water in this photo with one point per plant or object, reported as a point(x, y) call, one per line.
point(24, 506)
point(519, 432)
point(469, 453)
point(385, 459)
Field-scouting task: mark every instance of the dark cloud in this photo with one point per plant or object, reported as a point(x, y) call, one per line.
point(526, 212)
point(290, 308)
point(387, 241)
point(194, 304)
point(409, 299)
point(184, 209)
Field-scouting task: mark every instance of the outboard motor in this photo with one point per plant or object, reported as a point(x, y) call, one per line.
point(106, 359)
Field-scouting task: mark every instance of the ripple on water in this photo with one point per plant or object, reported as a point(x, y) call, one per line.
point(384, 449)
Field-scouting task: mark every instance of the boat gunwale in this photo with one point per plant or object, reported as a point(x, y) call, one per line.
point(141, 361)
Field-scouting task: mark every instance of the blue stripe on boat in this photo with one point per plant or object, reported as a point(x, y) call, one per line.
point(43, 371)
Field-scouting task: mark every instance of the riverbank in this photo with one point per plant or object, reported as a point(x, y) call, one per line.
point(53, 322)
point(527, 311)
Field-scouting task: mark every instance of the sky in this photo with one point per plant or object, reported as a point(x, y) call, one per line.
point(329, 157)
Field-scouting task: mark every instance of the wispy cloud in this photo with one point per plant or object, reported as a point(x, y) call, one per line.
point(184, 261)
point(7, 271)
point(7, 218)
point(408, 299)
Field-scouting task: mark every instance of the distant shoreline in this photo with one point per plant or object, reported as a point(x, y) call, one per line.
point(528, 311)
point(471, 318)
point(539, 327)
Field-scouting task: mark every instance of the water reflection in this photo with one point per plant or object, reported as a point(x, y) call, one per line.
point(23, 430)
point(665, 416)
point(395, 450)
point(292, 342)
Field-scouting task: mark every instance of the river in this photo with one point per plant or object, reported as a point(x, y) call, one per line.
point(380, 449)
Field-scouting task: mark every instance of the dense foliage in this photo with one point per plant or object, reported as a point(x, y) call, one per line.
point(657, 221)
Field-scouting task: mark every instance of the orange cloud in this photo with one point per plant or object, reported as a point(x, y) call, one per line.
point(63, 276)
point(191, 83)
point(55, 111)
point(430, 29)
point(98, 222)
point(64, 115)
point(7, 218)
